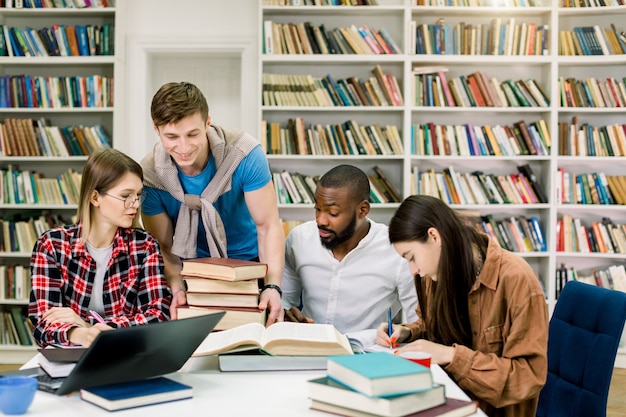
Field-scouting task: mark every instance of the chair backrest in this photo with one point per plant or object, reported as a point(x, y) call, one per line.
point(583, 338)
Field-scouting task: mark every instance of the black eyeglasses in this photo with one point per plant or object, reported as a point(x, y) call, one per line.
point(129, 200)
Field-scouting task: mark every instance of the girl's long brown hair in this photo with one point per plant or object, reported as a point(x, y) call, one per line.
point(446, 318)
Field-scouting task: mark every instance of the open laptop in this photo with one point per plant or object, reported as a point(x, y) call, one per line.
point(133, 353)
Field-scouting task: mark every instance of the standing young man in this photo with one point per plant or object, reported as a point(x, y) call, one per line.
point(209, 192)
point(341, 267)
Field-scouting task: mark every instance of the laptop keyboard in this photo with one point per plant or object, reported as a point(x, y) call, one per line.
point(47, 383)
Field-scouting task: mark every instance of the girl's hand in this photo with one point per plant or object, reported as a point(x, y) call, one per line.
point(441, 354)
point(399, 334)
point(85, 336)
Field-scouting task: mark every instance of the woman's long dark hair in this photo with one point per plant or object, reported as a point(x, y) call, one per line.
point(446, 318)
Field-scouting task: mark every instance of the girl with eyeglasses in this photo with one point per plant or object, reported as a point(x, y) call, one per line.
point(103, 272)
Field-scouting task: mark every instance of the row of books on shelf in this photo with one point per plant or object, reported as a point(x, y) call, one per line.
point(586, 140)
point(15, 327)
point(231, 285)
point(612, 277)
point(477, 187)
point(57, 40)
point(514, 233)
point(26, 91)
point(14, 282)
point(58, 4)
point(592, 3)
point(604, 236)
point(35, 137)
point(320, 3)
point(591, 92)
point(478, 3)
point(520, 138)
point(493, 38)
point(432, 89)
point(306, 38)
point(590, 188)
point(19, 233)
point(348, 138)
point(591, 40)
point(30, 187)
point(381, 89)
point(297, 188)
point(382, 384)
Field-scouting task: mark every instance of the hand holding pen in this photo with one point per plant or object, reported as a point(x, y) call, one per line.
point(97, 316)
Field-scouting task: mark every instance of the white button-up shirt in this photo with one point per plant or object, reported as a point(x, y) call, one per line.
point(352, 294)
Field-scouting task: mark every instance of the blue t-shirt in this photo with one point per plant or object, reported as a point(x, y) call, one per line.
point(252, 174)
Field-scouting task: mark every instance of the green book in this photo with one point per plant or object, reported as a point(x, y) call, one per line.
point(3, 42)
point(379, 374)
point(328, 391)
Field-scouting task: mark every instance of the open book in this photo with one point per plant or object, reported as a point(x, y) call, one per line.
point(284, 338)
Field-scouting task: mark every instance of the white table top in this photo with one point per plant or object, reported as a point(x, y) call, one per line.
point(218, 393)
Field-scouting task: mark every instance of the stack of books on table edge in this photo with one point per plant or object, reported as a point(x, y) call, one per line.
point(136, 393)
point(381, 384)
point(223, 284)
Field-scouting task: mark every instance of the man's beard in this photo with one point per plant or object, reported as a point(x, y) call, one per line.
point(340, 237)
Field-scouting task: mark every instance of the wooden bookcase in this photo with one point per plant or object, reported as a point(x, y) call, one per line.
point(49, 166)
point(396, 16)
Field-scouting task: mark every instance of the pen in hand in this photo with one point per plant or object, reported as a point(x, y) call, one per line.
point(389, 327)
point(97, 316)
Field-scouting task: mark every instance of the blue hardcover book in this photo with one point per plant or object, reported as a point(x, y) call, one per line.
point(534, 222)
point(379, 374)
point(136, 393)
point(578, 31)
point(17, 50)
point(4, 92)
point(81, 39)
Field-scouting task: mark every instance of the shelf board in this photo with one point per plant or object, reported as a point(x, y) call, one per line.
point(591, 255)
point(453, 158)
point(459, 109)
point(587, 11)
point(374, 206)
point(329, 59)
point(16, 354)
point(58, 11)
point(335, 157)
point(12, 301)
point(58, 60)
point(499, 207)
point(595, 207)
point(477, 11)
point(334, 10)
point(483, 60)
point(396, 109)
point(30, 110)
point(39, 206)
point(11, 159)
point(591, 60)
point(588, 110)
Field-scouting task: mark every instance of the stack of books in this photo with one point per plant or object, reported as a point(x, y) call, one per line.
point(223, 284)
point(381, 384)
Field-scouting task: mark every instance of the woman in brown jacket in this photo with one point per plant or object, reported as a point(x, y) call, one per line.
point(482, 313)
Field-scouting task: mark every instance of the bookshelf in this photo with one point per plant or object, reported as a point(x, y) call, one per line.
point(91, 73)
point(545, 67)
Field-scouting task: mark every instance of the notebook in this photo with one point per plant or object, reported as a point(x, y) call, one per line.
point(134, 353)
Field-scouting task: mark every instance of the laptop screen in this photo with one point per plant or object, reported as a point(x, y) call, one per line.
point(139, 352)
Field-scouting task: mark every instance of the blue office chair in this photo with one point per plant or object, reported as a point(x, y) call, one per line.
point(583, 338)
